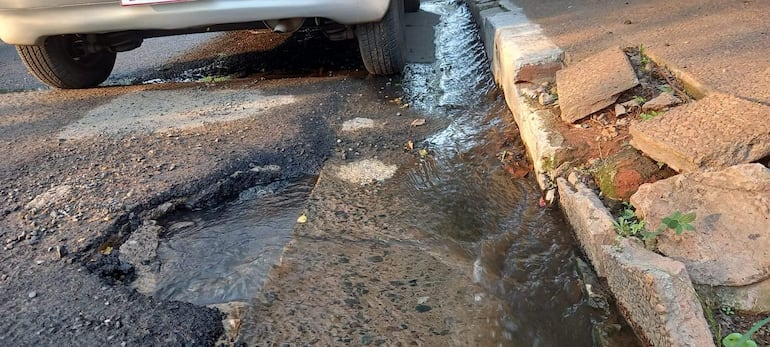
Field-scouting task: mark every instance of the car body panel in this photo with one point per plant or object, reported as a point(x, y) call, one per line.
point(29, 22)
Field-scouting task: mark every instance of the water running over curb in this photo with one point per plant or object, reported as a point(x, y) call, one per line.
point(519, 253)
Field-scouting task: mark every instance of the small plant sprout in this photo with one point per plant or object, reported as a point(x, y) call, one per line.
point(648, 115)
point(639, 99)
point(676, 221)
point(627, 225)
point(680, 222)
point(728, 310)
point(744, 340)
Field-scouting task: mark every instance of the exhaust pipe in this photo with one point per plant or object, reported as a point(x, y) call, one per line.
point(286, 25)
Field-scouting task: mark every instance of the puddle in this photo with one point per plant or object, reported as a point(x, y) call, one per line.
point(518, 252)
point(223, 255)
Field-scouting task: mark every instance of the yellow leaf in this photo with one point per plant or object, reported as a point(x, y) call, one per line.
point(423, 152)
point(409, 145)
point(302, 219)
point(107, 250)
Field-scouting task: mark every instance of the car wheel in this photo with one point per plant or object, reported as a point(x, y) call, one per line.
point(382, 43)
point(411, 6)
point(63, 62)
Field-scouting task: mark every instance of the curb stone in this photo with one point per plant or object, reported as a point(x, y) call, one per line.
point(519, 52)
point(669, 312)
point(656, 291)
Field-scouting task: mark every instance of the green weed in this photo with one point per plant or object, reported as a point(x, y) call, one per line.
point(648, 115)
point(627, 225)
point(676, 221)
point(744, 340)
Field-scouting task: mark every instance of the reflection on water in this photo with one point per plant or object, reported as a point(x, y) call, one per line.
point(519, 252)
point(223, 255)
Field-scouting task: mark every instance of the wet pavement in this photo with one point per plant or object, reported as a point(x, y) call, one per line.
point(441, 246)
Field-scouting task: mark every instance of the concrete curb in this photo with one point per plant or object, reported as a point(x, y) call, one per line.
point(655, 291)
point(519, 52)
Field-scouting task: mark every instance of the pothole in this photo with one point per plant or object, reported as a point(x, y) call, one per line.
point(220, 255)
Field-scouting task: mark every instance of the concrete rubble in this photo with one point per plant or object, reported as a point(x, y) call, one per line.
point(656, 291)
point(594, 83)
point(661, 102)
point(679, 137)
point(730, 247)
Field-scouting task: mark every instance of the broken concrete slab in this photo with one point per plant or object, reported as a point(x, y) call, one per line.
point(715, 132)
point(731, 242)
point(657, 294)
point(517, 48)
point(594, 83)
point(545, 146)
point(662, 102)
point(519, 51)
point(655, 291)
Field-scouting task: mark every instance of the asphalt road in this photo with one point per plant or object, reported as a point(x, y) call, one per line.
point(85, 168)
point(190, 127)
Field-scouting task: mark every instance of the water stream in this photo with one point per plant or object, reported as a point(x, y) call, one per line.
point(520, 253)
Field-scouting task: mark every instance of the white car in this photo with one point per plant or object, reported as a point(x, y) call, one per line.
point(73, 43)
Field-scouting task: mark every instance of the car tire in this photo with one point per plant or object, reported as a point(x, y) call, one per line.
point(411, 6)
point(59, 64)
point(382, 43)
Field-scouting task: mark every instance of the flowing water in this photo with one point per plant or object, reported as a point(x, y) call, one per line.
point(520, 253)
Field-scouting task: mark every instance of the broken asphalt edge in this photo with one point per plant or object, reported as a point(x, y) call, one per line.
point(656, 292)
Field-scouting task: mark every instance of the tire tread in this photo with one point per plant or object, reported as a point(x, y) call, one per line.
point(381, 43)
point(54, 69)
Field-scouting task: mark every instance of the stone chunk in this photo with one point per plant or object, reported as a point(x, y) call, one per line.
point(521, 51)
point(661, 102)
point(657, 294)
point(357, 123)
point(594, 83)
point(715, 132)
point(731, 242)
point(52, 196)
